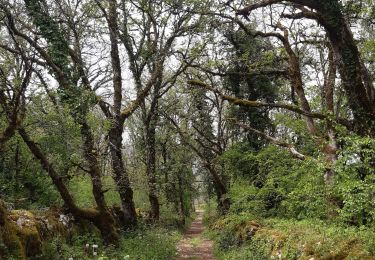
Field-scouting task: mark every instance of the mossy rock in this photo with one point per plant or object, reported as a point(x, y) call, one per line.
point(49, 225)
point(22, 232)
point(247, 230)
point(10, 244)
point(25, 226)
point(350, 249)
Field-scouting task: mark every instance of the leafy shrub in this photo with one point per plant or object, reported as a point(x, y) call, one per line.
point(355, 184)
point(227, 240)
point(288, 187)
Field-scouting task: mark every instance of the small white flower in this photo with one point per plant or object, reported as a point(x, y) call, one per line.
point(64, 219)
point(126, 257)
point(94, 250)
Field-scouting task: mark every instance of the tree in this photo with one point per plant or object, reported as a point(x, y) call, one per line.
point(329, 15)
point(77, 97)
point(149, 44)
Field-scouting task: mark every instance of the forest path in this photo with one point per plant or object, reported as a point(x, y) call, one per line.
point(194, 245)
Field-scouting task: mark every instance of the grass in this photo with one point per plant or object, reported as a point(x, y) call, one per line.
point(195, 241)
point(81, 187)
point(147, 243)
point(156, 243)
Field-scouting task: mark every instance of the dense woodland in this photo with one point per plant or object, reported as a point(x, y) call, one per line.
point(119, 118)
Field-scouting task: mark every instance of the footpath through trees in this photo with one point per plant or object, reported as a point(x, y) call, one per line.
point(194, 245)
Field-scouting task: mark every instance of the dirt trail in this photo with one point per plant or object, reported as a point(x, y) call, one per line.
point(194, 245)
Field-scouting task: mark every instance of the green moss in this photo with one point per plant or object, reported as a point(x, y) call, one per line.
point(25, 226)
point(10, 243)
point(58, 48)
point(22, 232)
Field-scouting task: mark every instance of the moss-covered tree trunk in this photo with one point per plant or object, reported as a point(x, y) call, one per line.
point(101, 217)
point(117, 120)
point(150, 118)
point(104, 219)
point(349, 63)
point(58, 58)
point(220, 190)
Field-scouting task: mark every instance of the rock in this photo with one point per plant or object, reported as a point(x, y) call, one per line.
point(8, 237)
point(247, 230)
point(26, 228)
point(22, 232)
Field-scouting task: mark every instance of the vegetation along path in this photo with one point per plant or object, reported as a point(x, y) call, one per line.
point(193, 245)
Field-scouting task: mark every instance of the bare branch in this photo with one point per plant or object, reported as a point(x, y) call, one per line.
point(275, 141)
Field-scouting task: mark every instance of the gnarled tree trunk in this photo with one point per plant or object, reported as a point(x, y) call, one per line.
point(101, 217)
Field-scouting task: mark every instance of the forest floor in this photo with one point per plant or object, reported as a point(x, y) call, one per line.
point(194, 245)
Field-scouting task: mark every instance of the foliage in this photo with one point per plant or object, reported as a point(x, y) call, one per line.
point(291, 239)
point(145, 243)
point(247, 53)
point(69, 73)
point(356, 180)
point(22, 181)
point(272, 183)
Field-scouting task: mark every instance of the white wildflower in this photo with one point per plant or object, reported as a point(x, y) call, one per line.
point(94, 250)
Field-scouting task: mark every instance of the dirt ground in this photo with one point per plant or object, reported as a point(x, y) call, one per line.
point(194, 245)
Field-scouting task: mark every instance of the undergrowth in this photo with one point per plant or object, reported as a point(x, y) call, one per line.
point(289, 239)
point(282, 209)
point(145, 243)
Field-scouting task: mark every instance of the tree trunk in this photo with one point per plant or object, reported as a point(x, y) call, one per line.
point(328, 14)
point(330, 149)
point(349, 63)
point(294, 72)
point(102, 219)
point(150, 156)
point(220, 190)
point(181, 210)
point(121, 177)
point(115, 133)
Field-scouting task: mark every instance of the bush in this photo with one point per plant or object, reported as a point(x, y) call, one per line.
point(355, 182)
point(274, 184)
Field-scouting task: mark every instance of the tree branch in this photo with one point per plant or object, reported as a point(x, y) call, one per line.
point(250, 103)
point(275, 141)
